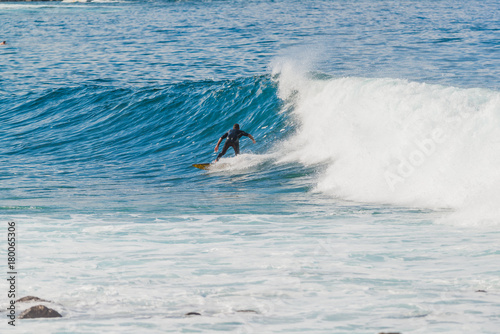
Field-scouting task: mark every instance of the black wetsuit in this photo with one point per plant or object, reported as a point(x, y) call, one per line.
point(232, 140)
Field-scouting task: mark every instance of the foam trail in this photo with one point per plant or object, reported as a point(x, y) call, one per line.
point(394, 141)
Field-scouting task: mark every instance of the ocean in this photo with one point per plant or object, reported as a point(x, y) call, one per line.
point(369, 202)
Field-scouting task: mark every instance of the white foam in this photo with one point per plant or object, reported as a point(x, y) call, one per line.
point(395, 141)
point(240, 162)
point(286, 267)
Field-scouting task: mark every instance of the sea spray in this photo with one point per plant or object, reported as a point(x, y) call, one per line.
point(395, 141)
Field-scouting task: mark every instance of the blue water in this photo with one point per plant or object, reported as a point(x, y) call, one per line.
point(368, 204)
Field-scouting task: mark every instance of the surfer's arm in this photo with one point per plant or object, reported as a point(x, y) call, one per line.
point(250, 136)
point(217, 146)
point(218, 143)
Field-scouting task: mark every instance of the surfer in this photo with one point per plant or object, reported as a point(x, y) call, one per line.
point(3, 43)
point(232, 140)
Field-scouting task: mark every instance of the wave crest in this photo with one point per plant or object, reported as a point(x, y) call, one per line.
point(394, 141)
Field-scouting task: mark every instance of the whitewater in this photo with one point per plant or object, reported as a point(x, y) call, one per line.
point(369, 203)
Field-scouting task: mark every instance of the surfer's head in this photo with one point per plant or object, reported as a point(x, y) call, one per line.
point(236, 126)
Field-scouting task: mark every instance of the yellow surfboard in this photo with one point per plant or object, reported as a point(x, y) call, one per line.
point(202, 166)
point(219, 166)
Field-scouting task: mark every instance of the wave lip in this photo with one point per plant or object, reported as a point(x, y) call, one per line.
point(395, 141)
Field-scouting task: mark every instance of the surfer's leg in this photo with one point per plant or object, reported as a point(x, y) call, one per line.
point(236, 148)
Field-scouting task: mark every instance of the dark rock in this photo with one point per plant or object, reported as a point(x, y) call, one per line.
point(192, 313)
point(39, 311)
point(28, 299)
point(247, 311)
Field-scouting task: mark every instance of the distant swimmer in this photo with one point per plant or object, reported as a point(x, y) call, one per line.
point(3, 43)
point(232, 140)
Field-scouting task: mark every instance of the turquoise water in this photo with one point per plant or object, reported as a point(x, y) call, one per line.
point(368, 204)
